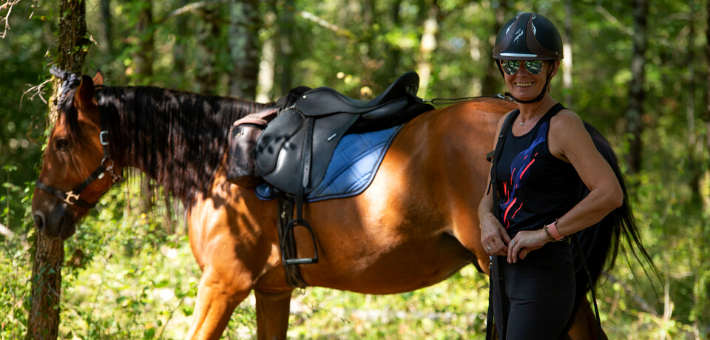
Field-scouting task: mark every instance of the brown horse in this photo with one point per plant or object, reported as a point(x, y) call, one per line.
point(414, 226)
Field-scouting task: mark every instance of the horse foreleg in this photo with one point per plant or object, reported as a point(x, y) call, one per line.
point(216, 301)
point(272, 310)
point(583, 325)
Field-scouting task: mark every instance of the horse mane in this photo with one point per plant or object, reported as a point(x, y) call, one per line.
point(177, 138)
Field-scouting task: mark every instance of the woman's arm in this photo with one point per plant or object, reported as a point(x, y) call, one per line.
point(569, 141)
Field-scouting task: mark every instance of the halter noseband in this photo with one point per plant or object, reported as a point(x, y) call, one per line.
point(72, 197)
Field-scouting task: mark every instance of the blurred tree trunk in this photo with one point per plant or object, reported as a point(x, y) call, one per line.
point(266, 69)
point(142, 75)
point(637, 95)
point(243, 43)
point(107, 46)
point(287, 29)
point(208, 35)
point(393, 52)
point(491, 79)
point(427, 45)
point(693, 155)
point(370, 61)
point(143, 56)
point(567, 50)
point(179, 48)
point(48, 257)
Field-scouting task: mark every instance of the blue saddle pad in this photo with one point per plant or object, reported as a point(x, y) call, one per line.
point(352, 168)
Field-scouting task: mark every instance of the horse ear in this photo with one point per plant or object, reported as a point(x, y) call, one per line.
point(98, 78)
point(85, 93)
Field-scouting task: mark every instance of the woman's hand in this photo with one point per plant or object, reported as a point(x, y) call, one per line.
point(524, 242)
point(494, 238)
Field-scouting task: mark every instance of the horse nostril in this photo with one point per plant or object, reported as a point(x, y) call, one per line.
point(39, 221)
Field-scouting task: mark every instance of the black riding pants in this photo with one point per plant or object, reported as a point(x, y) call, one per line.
point(539, 293)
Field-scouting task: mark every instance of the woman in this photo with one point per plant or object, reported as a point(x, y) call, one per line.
point(545, 160)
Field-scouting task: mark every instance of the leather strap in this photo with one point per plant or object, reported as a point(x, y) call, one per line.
point(494, 259)
point(288, 243)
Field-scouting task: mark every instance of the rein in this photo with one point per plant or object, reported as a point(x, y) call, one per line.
point(435, 101)
point(72, 197)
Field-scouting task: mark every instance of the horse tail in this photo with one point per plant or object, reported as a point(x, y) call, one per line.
point(600, 243)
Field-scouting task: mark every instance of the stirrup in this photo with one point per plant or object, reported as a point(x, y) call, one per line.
point(305, 260)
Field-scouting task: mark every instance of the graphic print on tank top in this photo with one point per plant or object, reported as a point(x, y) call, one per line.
point(519, 175)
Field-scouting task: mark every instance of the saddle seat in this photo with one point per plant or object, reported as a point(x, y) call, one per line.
point(324, 100)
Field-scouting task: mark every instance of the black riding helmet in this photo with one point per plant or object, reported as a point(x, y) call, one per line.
point(528, 36)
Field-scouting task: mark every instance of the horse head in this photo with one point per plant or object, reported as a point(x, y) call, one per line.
point(76, 160)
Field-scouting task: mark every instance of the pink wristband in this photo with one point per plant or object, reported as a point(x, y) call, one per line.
point(552, 227)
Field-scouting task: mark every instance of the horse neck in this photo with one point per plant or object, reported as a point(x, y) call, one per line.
point(177, 138)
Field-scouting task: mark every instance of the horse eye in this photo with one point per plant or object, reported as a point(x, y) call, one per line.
point(61, 144)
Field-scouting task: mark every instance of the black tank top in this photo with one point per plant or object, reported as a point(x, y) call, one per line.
point(534, 187)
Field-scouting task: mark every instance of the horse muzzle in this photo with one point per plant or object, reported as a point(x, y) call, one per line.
point(59, 222)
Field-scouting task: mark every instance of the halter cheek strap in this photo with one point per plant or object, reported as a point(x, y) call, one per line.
point(73, 196)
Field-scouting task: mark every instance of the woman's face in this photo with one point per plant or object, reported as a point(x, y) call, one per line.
point(524, 85)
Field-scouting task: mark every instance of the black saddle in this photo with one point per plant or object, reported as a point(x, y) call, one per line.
point(294, 150)
point(308, 131)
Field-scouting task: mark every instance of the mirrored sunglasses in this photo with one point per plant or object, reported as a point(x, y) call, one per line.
point(511, 67)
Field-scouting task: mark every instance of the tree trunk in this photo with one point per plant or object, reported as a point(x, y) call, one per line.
point(107, 27)
point(266, 71)
point(43, 320)
point(143, 57)
point(393, 51)
point(207, 34)
point(179, 48)
point(427, 47)
point(636, 92)
point(243, 43)
point(142, 75)
point(706, 117)
point(567, 50)
point(693, 155)
point(287, 28)
point(491, 79)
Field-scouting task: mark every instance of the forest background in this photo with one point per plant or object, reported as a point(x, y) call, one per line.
point(638, 71)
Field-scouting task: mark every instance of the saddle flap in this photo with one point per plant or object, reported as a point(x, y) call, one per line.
point(275, 138)
point(280, 148)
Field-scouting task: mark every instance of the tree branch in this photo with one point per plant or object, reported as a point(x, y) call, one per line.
point(39, 92)
point(191, 8)
point(4, 231)
point(306, 15)
point(8, 4)
point(323, 23)
point(624, 29)
point(639, 300)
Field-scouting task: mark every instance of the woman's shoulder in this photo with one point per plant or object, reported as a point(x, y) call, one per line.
point(565, 119)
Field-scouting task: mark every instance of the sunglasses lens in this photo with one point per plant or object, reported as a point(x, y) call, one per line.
point(533, 66)
point(510, 67)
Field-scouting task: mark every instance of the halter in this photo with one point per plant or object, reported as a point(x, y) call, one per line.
point(73, 196)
